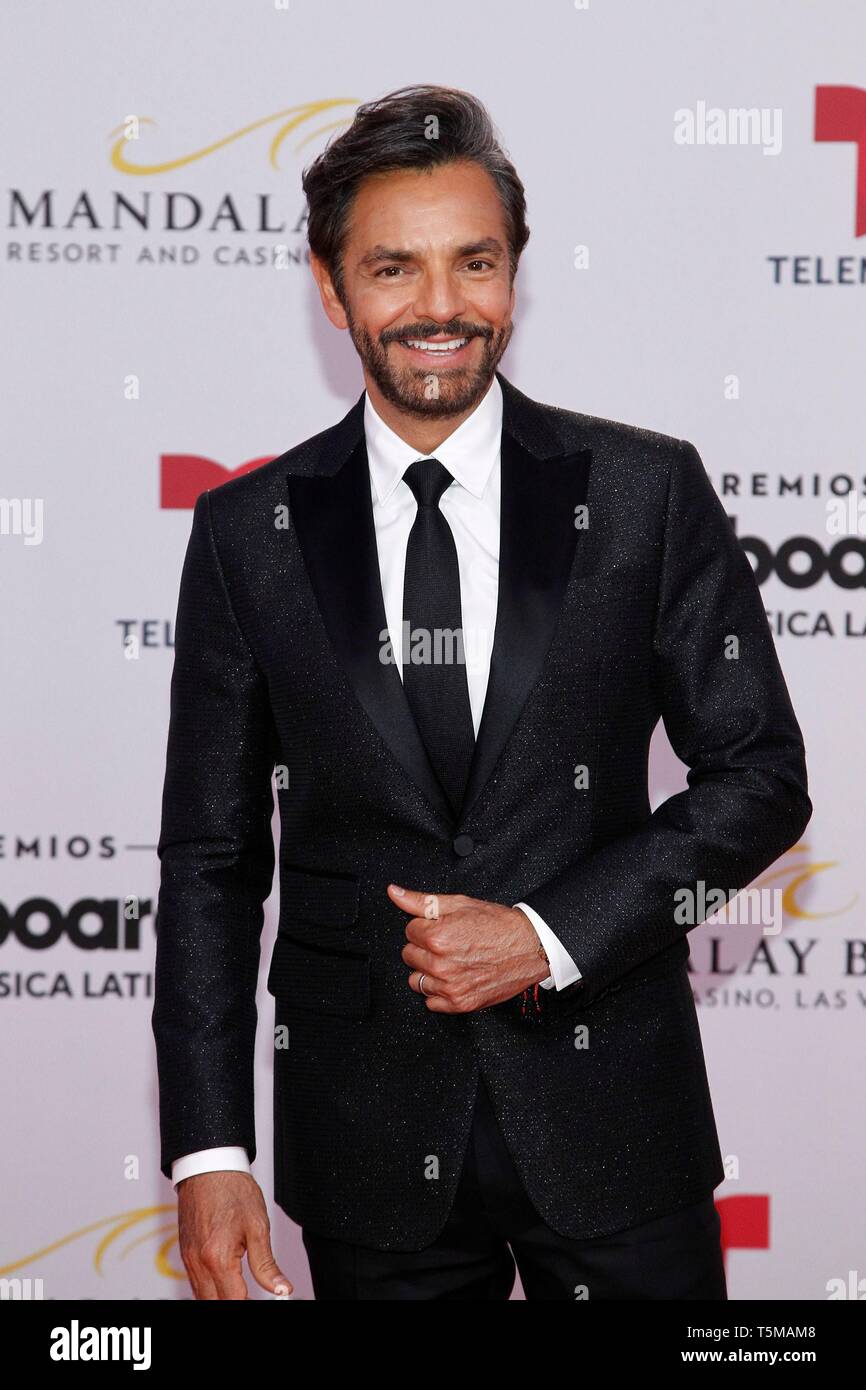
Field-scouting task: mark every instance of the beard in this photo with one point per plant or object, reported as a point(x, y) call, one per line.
point(433, 393)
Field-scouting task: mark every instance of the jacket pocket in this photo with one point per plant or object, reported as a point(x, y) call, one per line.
point(306, 976)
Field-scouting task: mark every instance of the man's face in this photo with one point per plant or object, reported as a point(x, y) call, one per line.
point(425, 262)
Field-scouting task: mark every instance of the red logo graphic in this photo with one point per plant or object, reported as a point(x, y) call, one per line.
point(745, 1223)
point(840, 114)
point(184, 477)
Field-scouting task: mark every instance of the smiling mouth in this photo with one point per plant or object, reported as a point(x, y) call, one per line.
point(432, 348)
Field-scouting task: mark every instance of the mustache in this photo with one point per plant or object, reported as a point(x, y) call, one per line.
point(448, 330)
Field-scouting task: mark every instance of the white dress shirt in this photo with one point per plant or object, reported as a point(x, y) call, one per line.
point(470, 505)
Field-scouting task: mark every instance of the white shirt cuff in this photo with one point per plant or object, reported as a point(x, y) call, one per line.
point(232, 1159)
point(563, 970)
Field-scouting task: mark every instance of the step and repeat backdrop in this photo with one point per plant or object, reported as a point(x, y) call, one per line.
point(696, 181)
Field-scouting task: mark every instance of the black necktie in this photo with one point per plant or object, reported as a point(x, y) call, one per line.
point(435, 680)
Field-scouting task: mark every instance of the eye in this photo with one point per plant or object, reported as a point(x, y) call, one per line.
point(386, 268)
point(487, 265)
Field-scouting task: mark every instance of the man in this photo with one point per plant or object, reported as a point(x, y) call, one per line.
point(486, 1045)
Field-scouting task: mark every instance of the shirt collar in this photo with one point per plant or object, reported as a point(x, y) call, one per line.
point(469, 453)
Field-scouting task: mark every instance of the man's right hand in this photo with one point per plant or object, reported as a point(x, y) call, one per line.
point(221, 1215)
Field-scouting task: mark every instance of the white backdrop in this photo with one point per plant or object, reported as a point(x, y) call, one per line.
point(131, 350)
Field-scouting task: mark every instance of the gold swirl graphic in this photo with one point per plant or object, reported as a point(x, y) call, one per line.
point(118, 1226)
point(292, 117)
point(800, 874)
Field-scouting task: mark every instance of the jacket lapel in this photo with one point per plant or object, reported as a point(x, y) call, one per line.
point(332, 512)
point(333, 520)
point(537, 545)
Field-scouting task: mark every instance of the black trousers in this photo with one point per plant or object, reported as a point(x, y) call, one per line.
point(493, 1224)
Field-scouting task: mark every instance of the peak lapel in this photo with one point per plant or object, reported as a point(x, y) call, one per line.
point(333, 518)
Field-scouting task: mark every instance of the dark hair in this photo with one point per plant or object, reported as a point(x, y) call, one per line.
point(391, 134)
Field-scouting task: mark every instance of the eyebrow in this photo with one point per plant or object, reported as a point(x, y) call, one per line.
point(487, 245)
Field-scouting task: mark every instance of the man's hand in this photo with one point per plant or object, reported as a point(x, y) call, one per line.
point(220, 1215)
point(471, 953)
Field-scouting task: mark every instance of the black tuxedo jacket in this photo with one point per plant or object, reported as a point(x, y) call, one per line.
point(650, 610)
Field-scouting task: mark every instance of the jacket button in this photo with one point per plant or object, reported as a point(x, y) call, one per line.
point(463, 845)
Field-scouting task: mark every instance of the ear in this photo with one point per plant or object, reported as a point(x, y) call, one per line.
point(328, 295)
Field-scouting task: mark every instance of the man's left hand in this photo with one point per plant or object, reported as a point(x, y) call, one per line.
point(471, 953)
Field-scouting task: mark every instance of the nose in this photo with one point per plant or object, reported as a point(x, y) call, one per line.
point(440, 297)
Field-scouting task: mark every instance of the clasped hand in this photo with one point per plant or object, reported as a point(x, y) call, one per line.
point(471, 953)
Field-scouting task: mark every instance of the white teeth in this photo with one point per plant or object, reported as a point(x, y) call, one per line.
point(436, 347)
